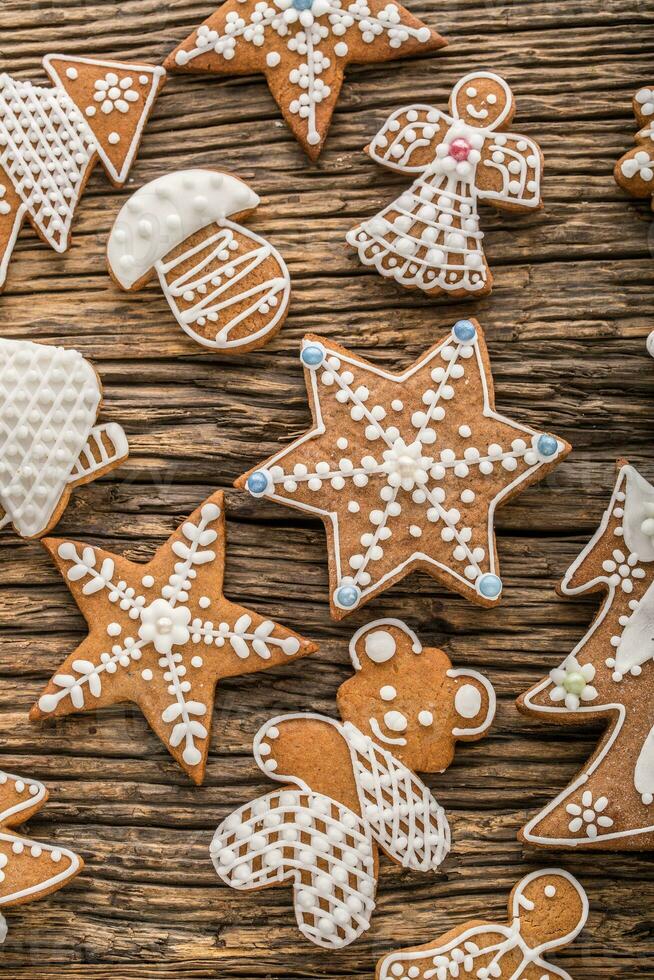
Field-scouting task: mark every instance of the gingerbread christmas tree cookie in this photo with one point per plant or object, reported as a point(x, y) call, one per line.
point(28, 870)
point(430, 237)
point(547, 911)
point(162, 635)
point(52, 137)
point(608, 677)
point(303, 48)
point(406, 469)
point(350, 788)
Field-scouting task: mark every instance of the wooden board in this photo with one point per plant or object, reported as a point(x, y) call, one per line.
point(566, 323)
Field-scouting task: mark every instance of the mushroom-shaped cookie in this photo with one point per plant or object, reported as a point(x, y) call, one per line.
point(228, 288)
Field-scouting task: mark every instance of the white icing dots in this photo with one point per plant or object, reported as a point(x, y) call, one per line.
point(467, 701)
point(387, 693)
point(380, 646)
point(273, 59)
point(72, 73)
point(147, 674)
point(114, 138)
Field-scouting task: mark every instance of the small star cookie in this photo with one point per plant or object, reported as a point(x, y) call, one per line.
point(406, 470)
point(162, 635)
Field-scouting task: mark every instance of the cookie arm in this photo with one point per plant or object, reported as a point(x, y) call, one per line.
point(408, 139)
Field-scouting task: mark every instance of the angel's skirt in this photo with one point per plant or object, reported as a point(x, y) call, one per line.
point(428, 237)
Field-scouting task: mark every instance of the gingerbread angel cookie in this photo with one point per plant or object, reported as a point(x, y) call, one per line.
point(609, 677)
point(52, 137)
point(406, 470)
point(430, 237)
point(162, 635)
point(547, 911)
point(228, 288)
point(350, 787)
point(28, 870)
point(303, 48)
point(49, 443)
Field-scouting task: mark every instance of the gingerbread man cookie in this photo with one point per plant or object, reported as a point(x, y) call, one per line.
point(609, 676)
point(162, 635)
point(28, 870)
point(430, 237)
point(228, 288)
point(303, 48)
point(406, 469)
point(349, 787)
point(51, 139)
point(635, 170)
point(49, 443)
point(547, 911)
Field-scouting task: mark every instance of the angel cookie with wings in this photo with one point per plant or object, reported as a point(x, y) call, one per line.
point(350, 787)
point(429, 237)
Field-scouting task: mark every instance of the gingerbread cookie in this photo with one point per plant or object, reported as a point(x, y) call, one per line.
point(162, 635)
point(634, 171)
point(350, 788)
point(49, 401)
point(547, 911)
point(51, 139)
point(406, 470)
point(609, 676)
point(28, 870)
point(228, 288)
point(429, 237)
point(303, 48)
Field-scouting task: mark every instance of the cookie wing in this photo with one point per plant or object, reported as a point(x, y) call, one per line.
point(320, 845)
point(408, 139)
point(510, 172)
point(403, 816)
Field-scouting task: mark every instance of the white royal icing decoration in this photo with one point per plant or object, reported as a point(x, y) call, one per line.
point(493, 950)
point(331, 860)
point(303, 29)
point(433, 239)
point(163, 621)
point(164, 214)
point(49, 398)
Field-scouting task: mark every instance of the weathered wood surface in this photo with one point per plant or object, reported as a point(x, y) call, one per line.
point(573, 303)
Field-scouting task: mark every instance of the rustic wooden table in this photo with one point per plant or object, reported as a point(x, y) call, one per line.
point(567, 321)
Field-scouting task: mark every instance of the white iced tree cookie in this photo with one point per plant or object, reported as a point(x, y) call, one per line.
point(49, 401)
point(430, 237)
point(228, 288)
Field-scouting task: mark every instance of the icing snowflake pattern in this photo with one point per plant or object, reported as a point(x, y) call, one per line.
point(305, 46)
point(413, 438)
point(116, 93)
point(162, 639)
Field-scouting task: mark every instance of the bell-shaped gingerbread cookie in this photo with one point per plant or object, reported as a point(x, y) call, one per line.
point(350, 786)
point(547, 910)
point(49, 443)
point(228, 288)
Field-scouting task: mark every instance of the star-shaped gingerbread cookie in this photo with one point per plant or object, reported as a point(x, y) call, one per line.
point(303, 48)
point(406, 470)
point(162, 635)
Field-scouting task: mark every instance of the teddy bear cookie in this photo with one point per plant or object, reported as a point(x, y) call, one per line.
point(228, 288)
point(609, 677)
point(49, 402)
point(28, 870)
point(51, 138)
point(429, 237)
point(406, 469)
point(547, 911)
point(350, 786)
point(162, 635)
point(303, 48)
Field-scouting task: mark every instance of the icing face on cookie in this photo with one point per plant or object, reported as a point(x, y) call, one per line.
point(552, 908)
point(410, 700)
point(482, 100)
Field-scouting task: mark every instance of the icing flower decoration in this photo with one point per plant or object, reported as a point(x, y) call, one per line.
point(622, 569)
point(572, 683)
point(164, 625)
point(589, 816)
point(115, 93)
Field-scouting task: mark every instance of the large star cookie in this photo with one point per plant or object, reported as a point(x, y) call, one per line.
point(303, 48)
point(406, 470)
point(162, 635)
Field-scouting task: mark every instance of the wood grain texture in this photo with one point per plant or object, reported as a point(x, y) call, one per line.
point(566, 326)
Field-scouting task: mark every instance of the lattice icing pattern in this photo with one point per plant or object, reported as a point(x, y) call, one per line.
point(402, 814)
point(46, 148)
point(49, 399)
point(319, 844)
